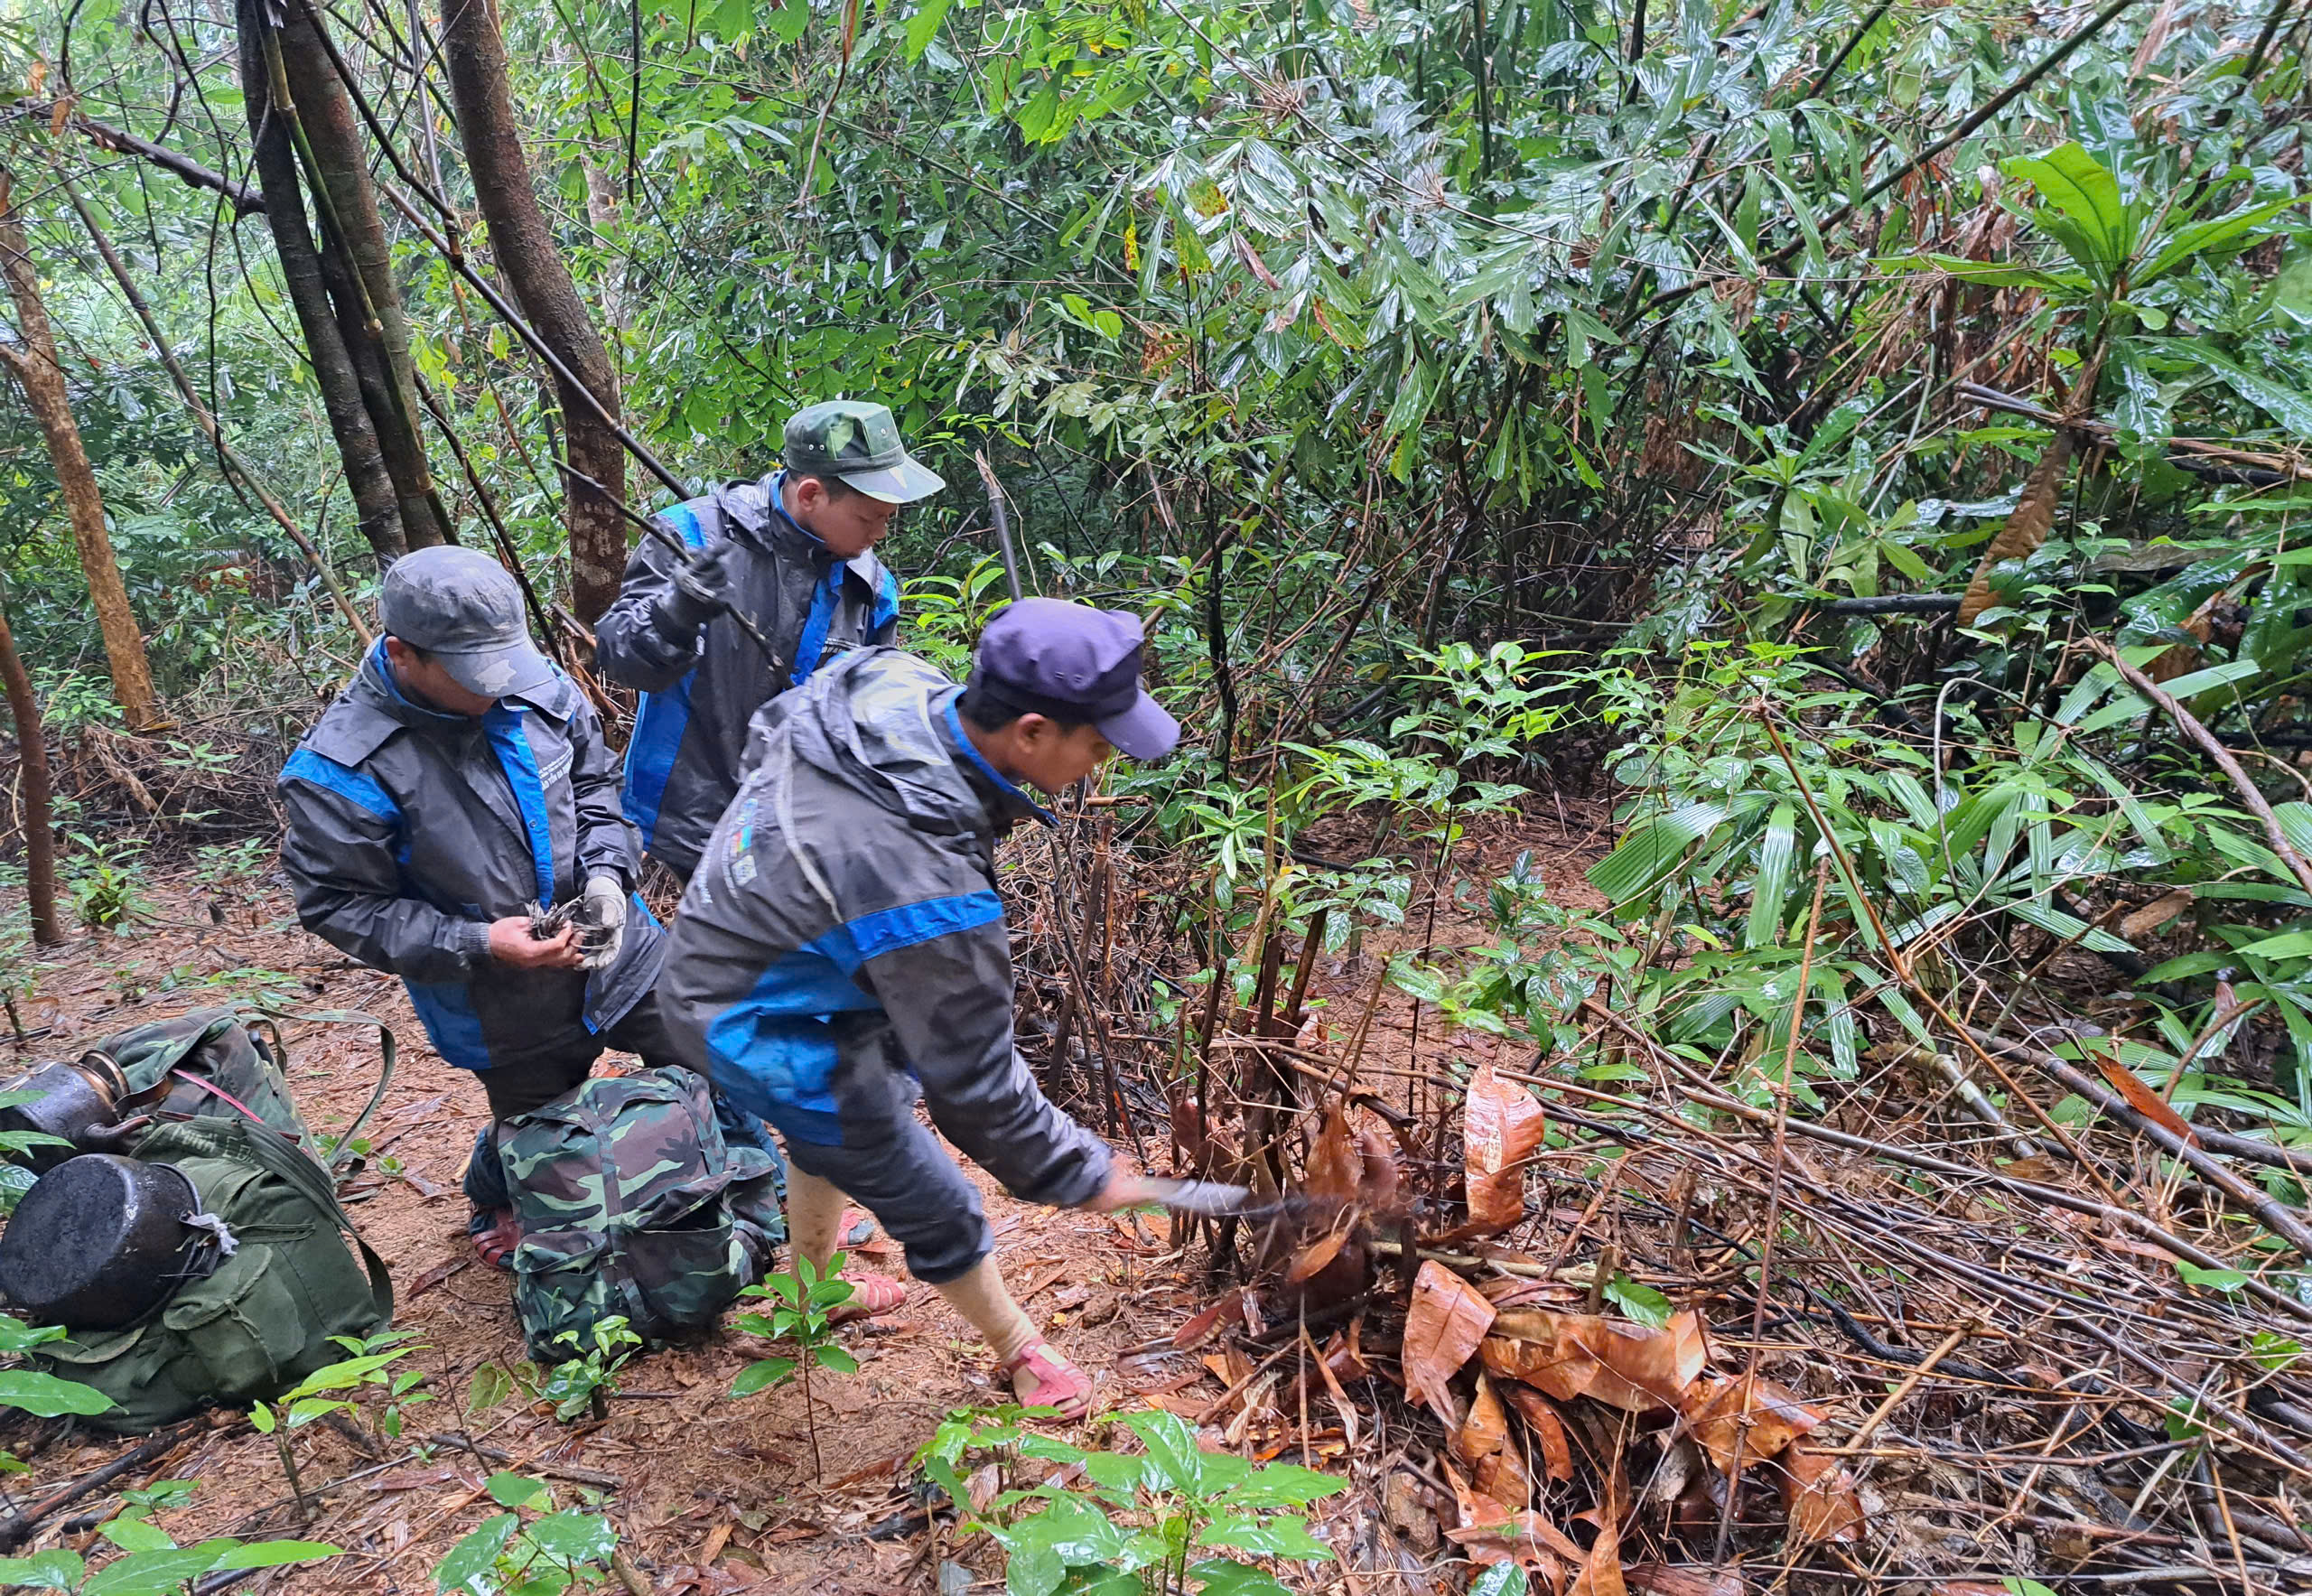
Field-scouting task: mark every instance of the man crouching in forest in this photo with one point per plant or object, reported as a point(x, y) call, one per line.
point(841, 940)
point(458, 779)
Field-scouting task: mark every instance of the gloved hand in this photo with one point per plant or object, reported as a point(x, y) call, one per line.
point(601, 921)
point(701, 584)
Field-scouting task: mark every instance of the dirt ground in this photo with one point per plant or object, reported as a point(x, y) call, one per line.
point(709, 1494)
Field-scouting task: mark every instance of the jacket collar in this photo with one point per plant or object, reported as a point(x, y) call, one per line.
point(1007, 803)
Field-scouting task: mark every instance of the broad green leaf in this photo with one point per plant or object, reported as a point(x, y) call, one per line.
point(56, 1570)
point(2083, 189)
point(1652, 848)
point(2217, 235)
point(1218, 1576)
point(924, 26)
point(835, 1358)
point(472, 1566)
point(510, 1489)
point(1642, 1303)
point(788, 19)
point(274, 1554)
point(491, 1386)
point(137, 1534)
point(1280, 1536)
point(151, 1573)
point(762, 1372)
point(1173, 1451)
point(574, 1536)
point(1776, 854)
point(49, 1396)
point(2216, 1280)
point(1283, 1485)
point(2291, 407)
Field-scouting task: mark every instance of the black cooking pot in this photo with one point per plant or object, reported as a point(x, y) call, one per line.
point(100, 1241)
point(73, 1100)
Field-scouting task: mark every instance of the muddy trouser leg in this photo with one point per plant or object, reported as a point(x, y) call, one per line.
point(512, 1089)
point(893, 1167)
point(641, 1031)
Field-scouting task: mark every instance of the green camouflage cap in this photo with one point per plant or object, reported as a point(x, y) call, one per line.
point(859, 443)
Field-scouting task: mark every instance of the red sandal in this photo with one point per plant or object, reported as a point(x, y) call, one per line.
point(496, 1234)
point(1042, 1377)
point(872, 1297)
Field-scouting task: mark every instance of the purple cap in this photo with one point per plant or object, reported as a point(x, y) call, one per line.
point(1073, 663)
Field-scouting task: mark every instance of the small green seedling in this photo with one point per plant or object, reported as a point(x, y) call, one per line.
point(1142, 1524)
point(806, 1299)
point(585, 1381)
point(530, 1549)
point(317, 1396)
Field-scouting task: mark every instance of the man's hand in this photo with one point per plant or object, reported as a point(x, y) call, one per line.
point(511, 945)
point(702, 586)
point(602, 922)
point(1125, 1190)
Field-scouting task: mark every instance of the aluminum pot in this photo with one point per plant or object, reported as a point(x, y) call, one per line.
point(100, 1241)
point(73, 1100)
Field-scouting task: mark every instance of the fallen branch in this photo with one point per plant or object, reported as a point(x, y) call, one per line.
point(247, 201)
point(2200, 737)
point(2275, 1215)
point(15, 1531)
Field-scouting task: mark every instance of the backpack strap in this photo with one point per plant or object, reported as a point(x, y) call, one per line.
point(275, 1153)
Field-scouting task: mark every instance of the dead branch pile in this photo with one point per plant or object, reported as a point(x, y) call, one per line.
point(1659, 1337)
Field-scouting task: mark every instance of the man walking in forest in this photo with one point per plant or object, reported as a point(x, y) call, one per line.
point(841, 946)
point(793, 553)
point(459, 778)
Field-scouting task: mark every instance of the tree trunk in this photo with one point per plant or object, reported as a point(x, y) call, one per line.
point(474, 51)
point(34, 360)
point(234, 468)
point(39, 825)
point(376, 511)
point(304, 96)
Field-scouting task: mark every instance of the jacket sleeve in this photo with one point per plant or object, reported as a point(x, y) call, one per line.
point(635, 642)
point(949, 1000)
point(605, 842)
point(340, 853)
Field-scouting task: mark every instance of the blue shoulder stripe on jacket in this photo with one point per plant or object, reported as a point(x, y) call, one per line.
point(511, 743)
point(660, 724)
point(888, 930)
point(305, 765)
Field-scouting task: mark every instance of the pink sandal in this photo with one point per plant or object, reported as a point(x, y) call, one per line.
point(872, 1297)
point(1041, 1377)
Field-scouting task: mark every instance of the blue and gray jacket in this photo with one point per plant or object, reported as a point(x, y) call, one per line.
point(701, 685)
point(843, 930)
point(410, 830)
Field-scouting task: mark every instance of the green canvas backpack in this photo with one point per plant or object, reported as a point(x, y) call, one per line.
point(263, 1320)
point(219, 1068)
point(630, 1202)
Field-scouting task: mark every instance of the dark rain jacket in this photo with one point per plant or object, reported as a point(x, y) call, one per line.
point(410, 830)
point(703, 684)
point(844, 927)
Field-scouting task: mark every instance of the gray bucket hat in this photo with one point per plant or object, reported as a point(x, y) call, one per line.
point(464, 609)
point(859, 443)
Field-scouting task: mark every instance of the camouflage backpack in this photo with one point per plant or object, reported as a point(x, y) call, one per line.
point(263, 1319)
point(215, 1069)
point(630, 1202)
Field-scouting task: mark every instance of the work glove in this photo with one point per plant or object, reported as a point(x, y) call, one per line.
point(602, 921)
point(700, 587)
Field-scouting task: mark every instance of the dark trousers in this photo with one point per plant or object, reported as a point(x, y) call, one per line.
point(530, 1086)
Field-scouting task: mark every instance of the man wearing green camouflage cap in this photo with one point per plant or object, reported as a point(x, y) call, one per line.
point(794, 554)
